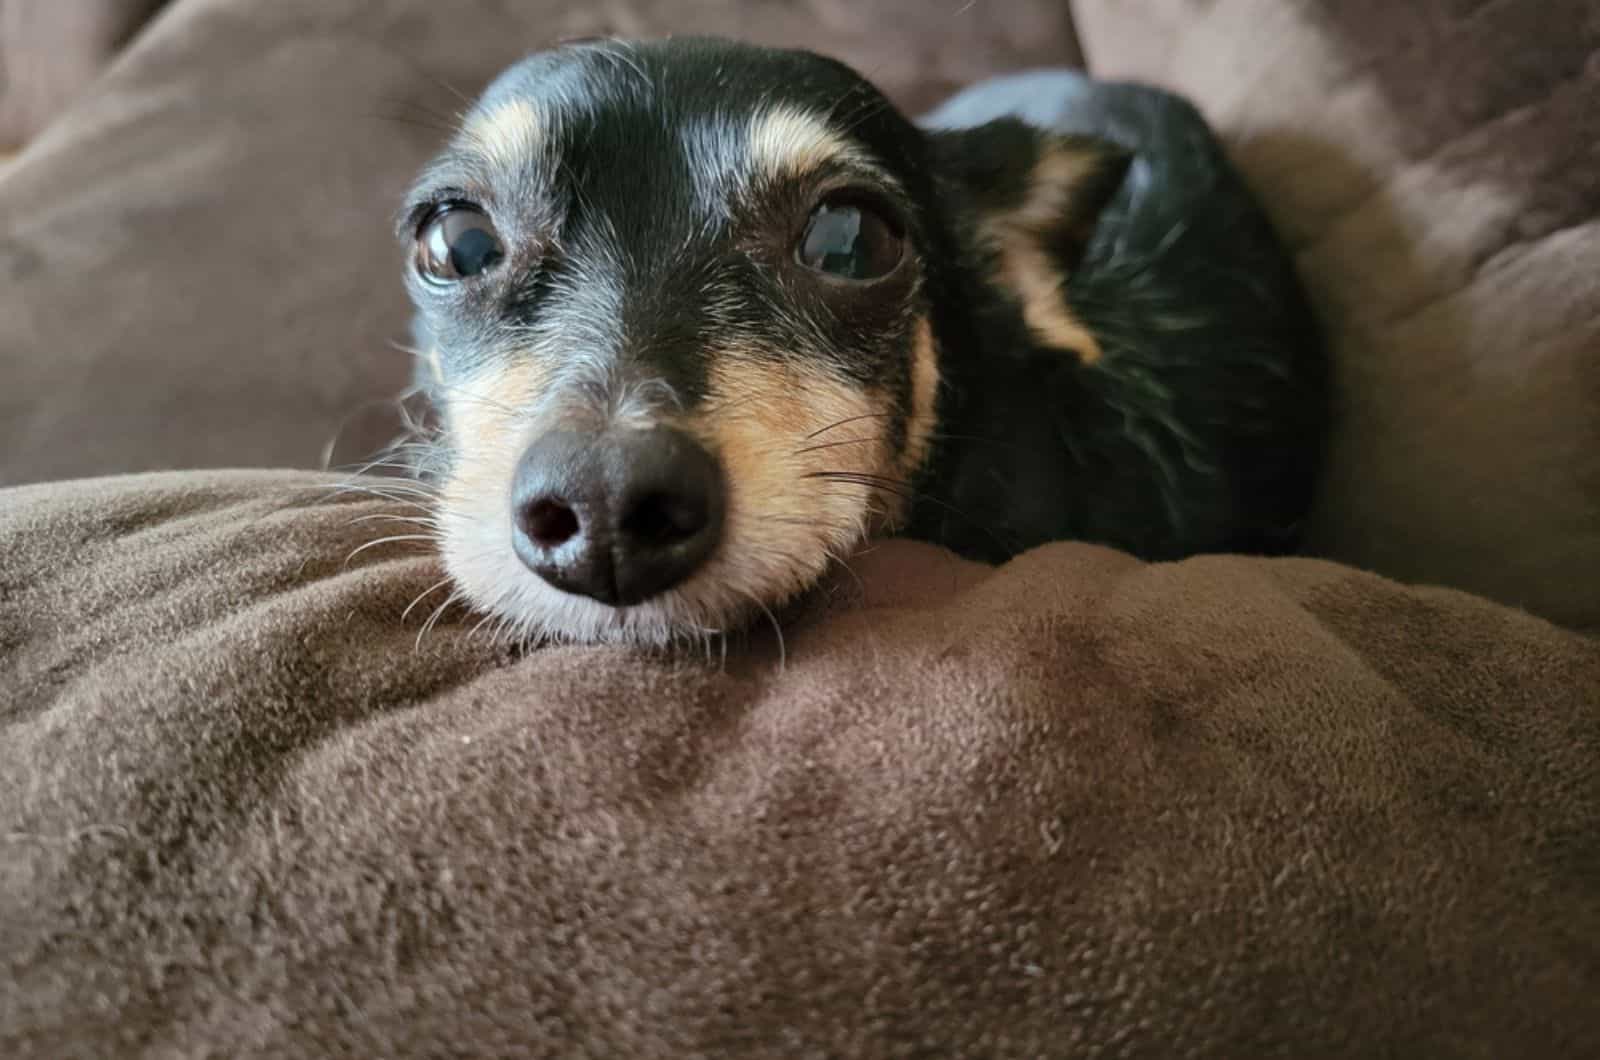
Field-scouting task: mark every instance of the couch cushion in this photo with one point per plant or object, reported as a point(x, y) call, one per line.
point(196, 265)
point(51, 53)
point(1437, 165)
point(1074, 805)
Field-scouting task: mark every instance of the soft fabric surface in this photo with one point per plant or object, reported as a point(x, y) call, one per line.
point(50, 53)
point(1073, 806)
point(1437, 163)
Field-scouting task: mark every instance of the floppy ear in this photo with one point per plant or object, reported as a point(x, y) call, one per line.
point(1051, 185)
point(1031, 199)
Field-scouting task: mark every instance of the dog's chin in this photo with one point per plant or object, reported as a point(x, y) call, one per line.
point(733, 590)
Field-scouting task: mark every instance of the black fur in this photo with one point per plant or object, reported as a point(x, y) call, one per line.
point(1201, 429)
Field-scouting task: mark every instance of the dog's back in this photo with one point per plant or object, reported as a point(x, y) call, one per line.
point(1200, 426)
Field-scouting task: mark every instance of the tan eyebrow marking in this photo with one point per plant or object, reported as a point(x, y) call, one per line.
point(786, 141)
point(508, 134)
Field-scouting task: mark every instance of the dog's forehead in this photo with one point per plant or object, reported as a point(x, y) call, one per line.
point(687, 112)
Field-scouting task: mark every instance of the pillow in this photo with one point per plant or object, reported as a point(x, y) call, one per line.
point(1437, 166)
point(51, 53)
point(249, 805)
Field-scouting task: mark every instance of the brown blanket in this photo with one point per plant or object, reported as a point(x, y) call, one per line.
point(1073, 806)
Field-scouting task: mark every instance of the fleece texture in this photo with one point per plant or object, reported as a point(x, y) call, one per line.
point(1072, 806)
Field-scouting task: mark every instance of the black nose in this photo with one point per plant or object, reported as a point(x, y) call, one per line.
point(619, 516)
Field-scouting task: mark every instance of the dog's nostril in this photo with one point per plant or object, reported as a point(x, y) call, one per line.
point(549, 523)
point(663, 518)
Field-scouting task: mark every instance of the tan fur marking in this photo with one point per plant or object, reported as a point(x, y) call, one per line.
point(1055, 181)
point(1024, 265)
point(923, 420)
point(1038, 284)
point(485, 418)
point(776, 426)
point(788, 142)
point(508, 134)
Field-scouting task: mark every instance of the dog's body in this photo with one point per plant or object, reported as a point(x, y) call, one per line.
point(700, 317)
point(1199, 425)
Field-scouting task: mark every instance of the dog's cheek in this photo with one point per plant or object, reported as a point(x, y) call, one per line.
point(793, 443)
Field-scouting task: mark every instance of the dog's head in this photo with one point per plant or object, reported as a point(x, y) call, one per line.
point(682, 306)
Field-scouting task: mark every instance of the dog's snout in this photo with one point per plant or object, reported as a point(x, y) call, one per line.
point(619, 516)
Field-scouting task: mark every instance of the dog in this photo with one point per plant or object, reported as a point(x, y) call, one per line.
point(700, 318)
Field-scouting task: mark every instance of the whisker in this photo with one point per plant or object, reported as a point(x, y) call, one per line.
point(345, 489)
point(428, 122)
point(386, 541)
point(733, 403)
point(434, 618)
point(789, 520)
point(429, 591)
point(424, 355)
point(405, 456)
point(343, 423)
point(390, 489)
point(905, 491)
point(387, 517)
point(835, 445)
point(424, 510)
point(783, 650)
point(357, 481)
point(393, 458)
point(401, 102)
point(848, 419)
point(484, 621)
point(844, 565)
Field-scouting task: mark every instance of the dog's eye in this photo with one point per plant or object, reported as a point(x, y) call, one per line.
point(457, 242)
point(849, 240)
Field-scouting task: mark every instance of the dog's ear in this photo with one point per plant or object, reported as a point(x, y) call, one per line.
point(1053, 186)
point(1031, 198)
point(1015, 178)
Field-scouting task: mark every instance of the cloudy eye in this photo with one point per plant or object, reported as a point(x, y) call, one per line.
point(849, 240)
point(457, 242)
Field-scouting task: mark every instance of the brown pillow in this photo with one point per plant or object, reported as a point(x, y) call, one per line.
point(1072, 806)
point(1437, 164)
point(196, 266)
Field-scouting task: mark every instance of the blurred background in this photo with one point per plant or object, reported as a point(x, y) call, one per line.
point(196, 267)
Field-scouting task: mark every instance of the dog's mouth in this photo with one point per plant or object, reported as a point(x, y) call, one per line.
point(657, 530)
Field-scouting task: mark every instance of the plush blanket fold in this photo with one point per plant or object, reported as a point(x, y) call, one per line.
point(1073, 806)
